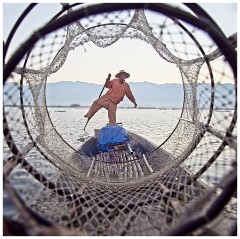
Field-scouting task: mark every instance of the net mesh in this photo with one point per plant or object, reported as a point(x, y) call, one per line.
point(117, 193)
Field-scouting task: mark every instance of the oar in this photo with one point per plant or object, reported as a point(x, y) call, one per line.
point(108, 79)
point(86, 124)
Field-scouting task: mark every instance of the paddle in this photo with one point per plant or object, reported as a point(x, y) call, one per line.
point(107, 80)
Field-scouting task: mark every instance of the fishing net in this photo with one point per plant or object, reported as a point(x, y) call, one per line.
point(176, 188)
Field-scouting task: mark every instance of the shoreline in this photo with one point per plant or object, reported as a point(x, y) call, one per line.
point(127, 107)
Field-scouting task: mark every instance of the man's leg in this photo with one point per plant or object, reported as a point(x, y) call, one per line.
point(101, 102)
point(112, 109)
point(95, 107)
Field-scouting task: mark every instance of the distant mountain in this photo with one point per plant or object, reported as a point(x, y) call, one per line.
point(147, 94)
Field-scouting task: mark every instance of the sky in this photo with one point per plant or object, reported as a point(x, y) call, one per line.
point(92, 64)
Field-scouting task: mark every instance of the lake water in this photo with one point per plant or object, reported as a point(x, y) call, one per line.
point(154, 124)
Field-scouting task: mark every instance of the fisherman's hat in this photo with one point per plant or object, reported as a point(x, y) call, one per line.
point(122, 72)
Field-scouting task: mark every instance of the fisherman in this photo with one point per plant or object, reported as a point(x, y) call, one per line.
point(118, 88)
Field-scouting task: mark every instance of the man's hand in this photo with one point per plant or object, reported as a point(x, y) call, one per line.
point(108, 79)
point(135, 105)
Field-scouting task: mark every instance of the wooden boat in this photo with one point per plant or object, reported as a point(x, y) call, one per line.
point(126, 163)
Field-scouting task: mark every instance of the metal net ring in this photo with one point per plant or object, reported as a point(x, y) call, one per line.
point(190, 118)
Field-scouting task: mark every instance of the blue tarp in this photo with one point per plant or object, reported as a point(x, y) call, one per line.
point(110, 136)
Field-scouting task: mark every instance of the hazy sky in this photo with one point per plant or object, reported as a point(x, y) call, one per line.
point(93, 64)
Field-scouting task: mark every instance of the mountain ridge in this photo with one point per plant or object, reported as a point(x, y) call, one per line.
point(147, 94)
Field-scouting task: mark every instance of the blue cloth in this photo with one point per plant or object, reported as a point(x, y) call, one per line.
point(110, 136)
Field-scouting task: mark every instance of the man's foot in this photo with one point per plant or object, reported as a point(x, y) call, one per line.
point(85, 116)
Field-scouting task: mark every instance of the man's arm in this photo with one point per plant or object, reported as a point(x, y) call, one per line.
point(130, 96)
point(109, 84)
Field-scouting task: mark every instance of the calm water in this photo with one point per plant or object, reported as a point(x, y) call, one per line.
point(153, 124)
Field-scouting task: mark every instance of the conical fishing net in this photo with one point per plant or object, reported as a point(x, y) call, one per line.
point(176, 188)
